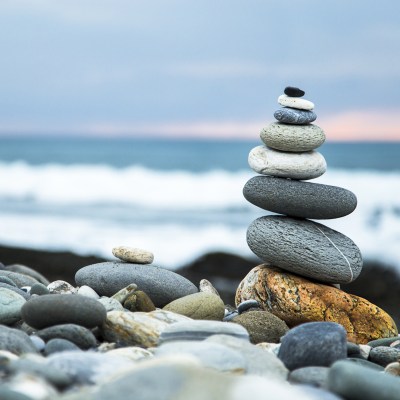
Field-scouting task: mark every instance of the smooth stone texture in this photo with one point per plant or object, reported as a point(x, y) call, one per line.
point(360, 383)
point(111, 304)
point(58, 345)
point(293, 116)
point(139, 301)
point(295, 102)
point(247, 305)
point(9, 394)
point(315, 376)
point(199, 306)
point(383, 341)
point(393, 368)
point(132, 353)
point(133, 255)
point(8, 281)
point(88, 292)
point(122, 294)
point(292, 138)
point(37, 342)
point(262, 326)
point(39, 289)
point(61, 287)
point(10, 306)
point(161, 285)
point(299, 199)
point(313, 344)
point(383, 355)
point(365, 363)
point(294, 91)
point(16, 290)
point(306, 248)
point(77, 334)
point(210, 355)
point(15, 341)
point(301, 166)
point(55, 309)
point(138, 328)
point(259, 361)
point(23, 269)
point(19, 279)
point(199, 330)
point(297, 300)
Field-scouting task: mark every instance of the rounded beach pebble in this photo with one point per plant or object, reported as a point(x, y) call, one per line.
point(295, 102)
point(297, 300)
point(10, 306)
point(161, 285)
point(292, 138)
point(293, 91)
point(293, 116)
point(303, 166)
point(55, 309)
point(306, 248)
point(133, 255)
point(299, 199)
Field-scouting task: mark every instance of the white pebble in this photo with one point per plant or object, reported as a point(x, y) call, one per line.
point(87, 291)
point(295, 102)
point(61, 287)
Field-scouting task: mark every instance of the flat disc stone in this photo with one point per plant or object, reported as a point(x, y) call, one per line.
point(294, 116)
point(295, 102)
point(299, 199)
point(303, 166)
point(161, 285)
point(292, 138)
point(305, 248)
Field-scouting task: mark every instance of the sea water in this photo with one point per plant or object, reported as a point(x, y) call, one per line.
point(177, 198)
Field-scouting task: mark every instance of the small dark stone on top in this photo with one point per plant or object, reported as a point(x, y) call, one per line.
point(294, 91)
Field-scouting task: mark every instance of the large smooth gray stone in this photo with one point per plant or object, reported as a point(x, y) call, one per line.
point(10, 306)
point(162, 285)
point(306, 248)
point(356, 382)
point(299, 199)
point(15, 341)
point(289, 115)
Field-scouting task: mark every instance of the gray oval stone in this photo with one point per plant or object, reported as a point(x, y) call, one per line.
point(55, 309)
point(15, 341)
point(299, 199)
point(293, 116)
point(306, 248)
point(10, 306)
point(293, 138)
point(162, 285)
point(23, 269)
point(58, 345)
point(19, 279)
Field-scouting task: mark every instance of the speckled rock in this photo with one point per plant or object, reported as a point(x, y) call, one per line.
point(133, 255)
point(162, 285)
point(262, 326)
point(23, 269)
point(15, 341)
point(138, 328)
point(199, 306)
point(10, 306)
point(55, 309)
point(293, 116)
point(302, 166)
point(139, 301)
point(306, 248)
point(295, 102)
point(61, 287)
point(384, 355)
point(122, 294)
point(299, 199)
point(292, 138)
point(296, 300)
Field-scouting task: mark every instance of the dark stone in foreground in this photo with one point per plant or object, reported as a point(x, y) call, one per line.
point(161, 285)
point(55, 309)
point(317, 344)
point(305, 248)
point(294, 91)
point(289, 115)
point(356, 382)
point(299, 199)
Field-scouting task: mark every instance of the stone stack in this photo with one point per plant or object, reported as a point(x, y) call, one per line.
point(304, 259)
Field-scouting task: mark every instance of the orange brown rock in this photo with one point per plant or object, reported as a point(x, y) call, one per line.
point(297, 300)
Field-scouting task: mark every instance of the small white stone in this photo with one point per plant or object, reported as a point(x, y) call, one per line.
point(302, 166)
point(87, 291)
point(61, 287)
point(207, 287)
point(270, 347)
point(133, 255)
point(364, 350)
point(295, 102)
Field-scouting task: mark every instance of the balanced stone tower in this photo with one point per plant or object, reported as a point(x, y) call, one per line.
point(304, 260)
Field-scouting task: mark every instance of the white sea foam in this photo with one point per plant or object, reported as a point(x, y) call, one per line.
point(178, 215)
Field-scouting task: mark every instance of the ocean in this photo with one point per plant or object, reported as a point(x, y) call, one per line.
point(177, 198)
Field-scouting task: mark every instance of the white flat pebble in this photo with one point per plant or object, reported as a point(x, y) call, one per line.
point(295, 102)
point(133, 255)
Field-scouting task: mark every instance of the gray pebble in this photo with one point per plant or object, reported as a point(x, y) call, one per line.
point(10, 306)
point(23, 269)
point(19, 279)
point(8, 281)
point(15, 289)
point(383, 342)
point(37, 342)
point(289, 115)
point(39, 289)
point(384, 355)
point(247, 305)
point(315, 376)
point(365, 363)
point(58, 345)
point(15, 341)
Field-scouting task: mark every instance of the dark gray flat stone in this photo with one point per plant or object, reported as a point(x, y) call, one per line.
point(299, 199)
point(161, 285)
point(55, 309)
point(306, 248)
point(289, 115)
point(317, 344)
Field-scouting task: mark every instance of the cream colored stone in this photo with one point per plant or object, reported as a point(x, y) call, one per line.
point(393, 368)
point(122, 294)
point(302, 166)
point(207, 287)
point(295, 102)
point(133, 255)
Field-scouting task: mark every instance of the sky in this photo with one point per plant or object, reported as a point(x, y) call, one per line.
point(197, 68)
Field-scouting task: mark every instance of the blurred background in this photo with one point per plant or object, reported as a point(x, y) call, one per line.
point(130, 123)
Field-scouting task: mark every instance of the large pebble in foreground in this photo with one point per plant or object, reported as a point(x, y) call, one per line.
point(299, 199)
point(302, 166)
point(306, 248)
point(161, 285)
point(293, 138)
point(297, 300)
point(55, 309)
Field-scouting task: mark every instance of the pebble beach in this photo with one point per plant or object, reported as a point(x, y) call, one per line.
point(129, 328)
